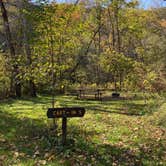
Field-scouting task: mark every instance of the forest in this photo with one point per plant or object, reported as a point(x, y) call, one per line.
point(108, 56)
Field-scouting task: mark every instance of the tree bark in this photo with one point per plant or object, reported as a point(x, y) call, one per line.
point(112, 29)
point(118, 30)
point(99, 14)
point(16, 89)
point(32, 87)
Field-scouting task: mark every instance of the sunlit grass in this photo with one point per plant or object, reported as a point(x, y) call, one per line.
point(125, 132)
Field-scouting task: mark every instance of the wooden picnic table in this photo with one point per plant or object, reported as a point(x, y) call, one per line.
point(99, 94)
point(82, 93)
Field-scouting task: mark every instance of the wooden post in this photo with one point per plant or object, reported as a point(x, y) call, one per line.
point(98, 94)
point(81, 93)
point(64, 130)
point(65, 113)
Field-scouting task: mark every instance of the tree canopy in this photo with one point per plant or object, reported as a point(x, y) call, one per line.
point(104, 43)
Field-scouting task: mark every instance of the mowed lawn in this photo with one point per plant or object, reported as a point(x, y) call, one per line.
point(112, 132)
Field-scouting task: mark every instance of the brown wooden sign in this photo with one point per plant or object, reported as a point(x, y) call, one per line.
point(65, 112)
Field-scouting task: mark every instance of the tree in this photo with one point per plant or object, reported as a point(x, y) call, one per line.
point(118, 64)
point(27, 23)
point(16, 90)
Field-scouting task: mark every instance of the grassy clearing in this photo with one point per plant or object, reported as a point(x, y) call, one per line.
point(117, 132)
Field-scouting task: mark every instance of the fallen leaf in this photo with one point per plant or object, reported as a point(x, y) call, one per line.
point(2, 157)
point(37, 153)
point(2, 140)
point(46, 155)
point(16, 154)
point(51, 158)
point(43, 162)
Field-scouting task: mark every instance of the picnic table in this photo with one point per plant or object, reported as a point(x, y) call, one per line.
point(87, 93)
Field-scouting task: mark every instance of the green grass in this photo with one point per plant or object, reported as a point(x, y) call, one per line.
point(115, 132)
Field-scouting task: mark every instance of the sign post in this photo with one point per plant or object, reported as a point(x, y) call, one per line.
point(64, 130)
point(65, 113)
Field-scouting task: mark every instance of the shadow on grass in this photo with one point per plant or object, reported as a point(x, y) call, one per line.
point(7, 101)
point(143, 109)
point(19, 134)
point(29, 136)
point(119, 111)
point(126, 108)
point(121, 106)
point(38, 100)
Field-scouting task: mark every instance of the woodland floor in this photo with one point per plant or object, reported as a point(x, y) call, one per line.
point(115, 132)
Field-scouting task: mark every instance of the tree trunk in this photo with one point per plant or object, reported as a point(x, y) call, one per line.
point(14, 76)
point(18, 89)
point(115, 85)
point(120, 80)
point(99, 14)
point(112, 29)
point(32, 87)
point(118, 30)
